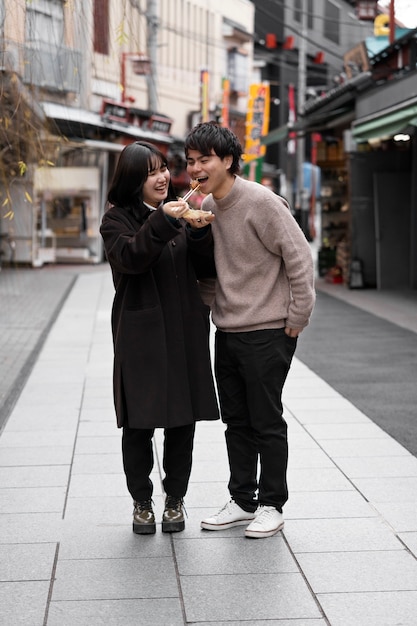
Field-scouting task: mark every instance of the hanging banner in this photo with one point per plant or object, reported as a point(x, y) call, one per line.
point(252, 170)
point(204, 97)
point(257, 121)
point(225, 102)
point(292, 136)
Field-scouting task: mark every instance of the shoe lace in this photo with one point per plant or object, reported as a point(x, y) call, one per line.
point(143, 505)
point(226, 508)
point(265, 512)
point(176, 504)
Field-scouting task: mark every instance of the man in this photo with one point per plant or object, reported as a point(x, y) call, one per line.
point(263, 299)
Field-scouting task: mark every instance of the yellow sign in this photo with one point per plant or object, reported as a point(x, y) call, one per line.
point(204, 88)
point(225, 102)
point(257, 121)
point(381, 25)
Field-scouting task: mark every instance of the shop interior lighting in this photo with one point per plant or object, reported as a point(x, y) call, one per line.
point(401, 137)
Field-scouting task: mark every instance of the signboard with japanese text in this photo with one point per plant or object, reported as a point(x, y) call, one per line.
point(257, 121)
point(204, 87)
point(225, 102)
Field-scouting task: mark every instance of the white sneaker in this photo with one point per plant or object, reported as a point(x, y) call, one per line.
point(267, 522)
point(228, 516)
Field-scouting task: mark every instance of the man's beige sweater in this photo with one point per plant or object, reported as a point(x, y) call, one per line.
point(264, 262)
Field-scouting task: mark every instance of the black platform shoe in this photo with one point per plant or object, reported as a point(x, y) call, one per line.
point(173, 516)
point(143, 518)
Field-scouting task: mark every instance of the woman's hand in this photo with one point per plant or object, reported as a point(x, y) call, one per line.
point(195, 217)
point(175, 208)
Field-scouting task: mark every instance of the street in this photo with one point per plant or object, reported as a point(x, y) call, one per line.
point(370, 361)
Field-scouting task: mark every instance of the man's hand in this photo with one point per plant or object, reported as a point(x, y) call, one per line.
point(198, 218)
point(292, 332)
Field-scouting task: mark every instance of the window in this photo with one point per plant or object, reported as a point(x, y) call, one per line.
point(237, 68)
point(298, 5)
point(101, 26)
point(331, 22)
point(297, 10)
point(45, 21)
point(310, 14)
point(47, 62)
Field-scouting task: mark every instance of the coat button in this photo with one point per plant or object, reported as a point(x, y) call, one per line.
point(173, 244)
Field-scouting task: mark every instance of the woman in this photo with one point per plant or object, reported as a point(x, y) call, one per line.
point(162, 370)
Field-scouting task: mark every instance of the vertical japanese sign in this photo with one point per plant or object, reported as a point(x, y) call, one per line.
point(225, 102)
point(257, 121)
point(204, 97)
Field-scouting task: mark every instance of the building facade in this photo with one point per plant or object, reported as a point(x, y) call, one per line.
point(80, 80)
point(299, 48)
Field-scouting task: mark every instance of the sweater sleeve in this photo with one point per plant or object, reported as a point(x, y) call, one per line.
point(282, 235)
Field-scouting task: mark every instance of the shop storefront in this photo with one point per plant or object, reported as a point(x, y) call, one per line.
point(368, 160)
point(58, 213)
point(384, 193)
point(329, 118)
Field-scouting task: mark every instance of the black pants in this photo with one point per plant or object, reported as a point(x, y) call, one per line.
point(138, 460)
point(251, 369)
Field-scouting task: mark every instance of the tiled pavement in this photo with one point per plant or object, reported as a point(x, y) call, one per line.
point(347, 555)
point(30, 301)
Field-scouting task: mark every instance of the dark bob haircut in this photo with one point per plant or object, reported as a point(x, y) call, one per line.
point(135, 162)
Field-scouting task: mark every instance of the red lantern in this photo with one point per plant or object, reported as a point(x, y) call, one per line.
point(270, 40)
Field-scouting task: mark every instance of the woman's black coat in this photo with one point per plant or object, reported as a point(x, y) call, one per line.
point(162, 370)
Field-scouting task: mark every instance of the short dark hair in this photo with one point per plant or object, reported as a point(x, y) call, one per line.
point(209, 136)
point(132, 170)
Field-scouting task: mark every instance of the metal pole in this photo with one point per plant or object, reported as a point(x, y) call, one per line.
point(392, 22)
point(300, 200)
point(123, 75)
point(152, 45)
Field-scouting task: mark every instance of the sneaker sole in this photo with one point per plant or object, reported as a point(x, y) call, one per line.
point(144, 529)
point(257, 534)
point(240, 522)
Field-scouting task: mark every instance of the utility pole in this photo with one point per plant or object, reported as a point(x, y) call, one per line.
point(300, 199)
point(152, 48)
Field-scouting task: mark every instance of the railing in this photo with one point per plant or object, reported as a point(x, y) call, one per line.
point(40, 64)
point(52, 67)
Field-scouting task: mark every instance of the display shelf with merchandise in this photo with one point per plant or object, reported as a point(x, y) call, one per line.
point(335, 215)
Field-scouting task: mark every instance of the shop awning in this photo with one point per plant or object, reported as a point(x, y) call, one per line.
point(314, 123)
point(276, 135)
point(385, 125)
point(72, 121)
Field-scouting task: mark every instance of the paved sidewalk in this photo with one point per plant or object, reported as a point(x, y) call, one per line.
point(30, 301)
point(347, 555)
